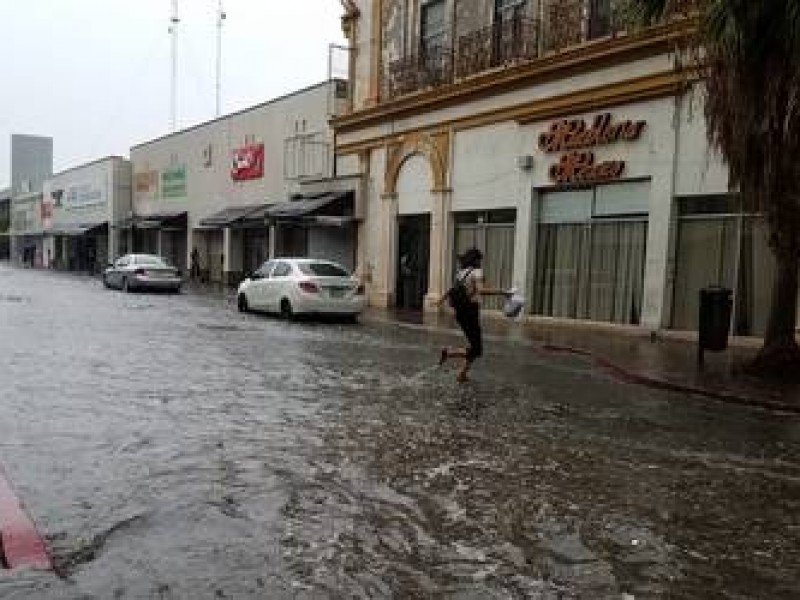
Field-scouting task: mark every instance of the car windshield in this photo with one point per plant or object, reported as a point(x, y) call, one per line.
point(152, 261)
point(322, 269)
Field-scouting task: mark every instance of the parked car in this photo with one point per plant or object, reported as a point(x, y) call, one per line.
point(301, 286)
point(142, 272)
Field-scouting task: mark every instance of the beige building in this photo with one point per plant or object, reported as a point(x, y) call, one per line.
point(244, 187)
point(572, 152)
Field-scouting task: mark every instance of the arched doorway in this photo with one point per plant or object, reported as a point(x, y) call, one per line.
point(414, 201)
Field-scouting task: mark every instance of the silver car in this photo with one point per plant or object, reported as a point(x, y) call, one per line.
point(142, 272)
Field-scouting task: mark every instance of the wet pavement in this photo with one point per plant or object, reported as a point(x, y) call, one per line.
point(170, 447)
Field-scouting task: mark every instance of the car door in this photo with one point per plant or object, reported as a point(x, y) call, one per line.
point(276, 284)
point(121, 263)
point(255, 291)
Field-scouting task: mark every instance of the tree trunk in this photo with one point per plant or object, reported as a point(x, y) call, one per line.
point(780, 355)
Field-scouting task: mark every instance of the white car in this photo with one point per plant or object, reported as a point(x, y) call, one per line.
point(142, 272)
point(301, 286)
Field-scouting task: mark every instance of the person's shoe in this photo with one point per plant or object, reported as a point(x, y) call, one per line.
point(462, 377)
point(442, 356)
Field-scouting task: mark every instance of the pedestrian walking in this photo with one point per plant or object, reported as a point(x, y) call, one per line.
point(195, 266)
point(465, 299)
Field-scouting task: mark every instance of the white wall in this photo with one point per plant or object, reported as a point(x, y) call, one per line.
point(210, 188)
point(414, 186)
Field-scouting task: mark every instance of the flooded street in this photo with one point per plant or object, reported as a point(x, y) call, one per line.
point(170, 447)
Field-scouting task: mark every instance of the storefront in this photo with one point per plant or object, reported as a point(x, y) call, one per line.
point(590, 253)
point(317, 225)
point(248, 243)
point(81, 213)
point(720, 242)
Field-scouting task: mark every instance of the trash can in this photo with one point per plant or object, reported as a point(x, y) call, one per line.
point(715, 318)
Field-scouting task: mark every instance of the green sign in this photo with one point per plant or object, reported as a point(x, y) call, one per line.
point(173, 182)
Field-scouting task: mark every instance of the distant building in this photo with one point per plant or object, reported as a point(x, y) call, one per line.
point(31, 165)
point(5, 224)
point(223, 188)
point(82, 210)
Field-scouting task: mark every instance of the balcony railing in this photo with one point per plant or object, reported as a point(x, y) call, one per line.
point(498, 45)
point(567, 23)
point(432, 66)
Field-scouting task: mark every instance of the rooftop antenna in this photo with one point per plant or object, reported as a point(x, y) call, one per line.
point(220, 19)
point(173, 31)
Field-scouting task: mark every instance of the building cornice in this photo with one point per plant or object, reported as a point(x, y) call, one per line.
point(640, 89)
point(581, 59)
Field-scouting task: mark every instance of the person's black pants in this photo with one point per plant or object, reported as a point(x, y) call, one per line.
point(469, 319)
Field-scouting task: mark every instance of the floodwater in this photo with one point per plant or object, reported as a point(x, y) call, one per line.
point(170, 447)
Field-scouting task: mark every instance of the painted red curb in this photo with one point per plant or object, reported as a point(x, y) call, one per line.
point(22, 546)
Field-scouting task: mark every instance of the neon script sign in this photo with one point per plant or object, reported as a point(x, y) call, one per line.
point(579, 165)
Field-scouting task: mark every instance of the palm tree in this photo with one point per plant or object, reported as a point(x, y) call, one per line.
point(748, 55)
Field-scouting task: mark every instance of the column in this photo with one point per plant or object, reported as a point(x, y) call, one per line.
point(525, 238)
point(273, 239)
point(441, 223)
point(386, 262)
point(226, 254)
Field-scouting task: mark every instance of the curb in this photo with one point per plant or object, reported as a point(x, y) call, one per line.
point(627, 376)
point(616, 371)
point(21, 545)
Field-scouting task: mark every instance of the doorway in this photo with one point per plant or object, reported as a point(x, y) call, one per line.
point(413, 256)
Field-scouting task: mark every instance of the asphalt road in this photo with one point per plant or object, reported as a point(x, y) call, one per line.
point(170, 447)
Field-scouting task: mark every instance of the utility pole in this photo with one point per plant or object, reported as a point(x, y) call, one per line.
point(220, 19)
point(173, 31)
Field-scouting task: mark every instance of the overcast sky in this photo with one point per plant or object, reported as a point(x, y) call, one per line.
point(95, 74)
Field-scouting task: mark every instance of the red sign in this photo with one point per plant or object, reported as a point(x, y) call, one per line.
point(248, 162)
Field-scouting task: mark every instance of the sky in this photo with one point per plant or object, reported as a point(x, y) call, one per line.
point(95, 74)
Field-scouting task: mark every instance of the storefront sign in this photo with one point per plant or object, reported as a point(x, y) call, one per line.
point(173, 182)
point(248, 162)
point(84, 194)
point(580, 166)
point(146, 182)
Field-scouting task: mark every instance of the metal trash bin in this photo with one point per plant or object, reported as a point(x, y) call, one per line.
point(715, 319)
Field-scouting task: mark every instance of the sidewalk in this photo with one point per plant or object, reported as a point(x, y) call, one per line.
point(667, 360)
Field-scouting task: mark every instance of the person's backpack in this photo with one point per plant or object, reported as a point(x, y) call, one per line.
point(458, 294)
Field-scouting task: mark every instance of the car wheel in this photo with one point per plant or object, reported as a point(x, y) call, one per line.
point(241, 303)
point(286, 310)
point(126, 286)
point(105, 282)
point(177, 290)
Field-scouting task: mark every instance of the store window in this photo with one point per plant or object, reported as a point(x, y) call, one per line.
point(591, 249)
point(720, 242)
point(493, 233)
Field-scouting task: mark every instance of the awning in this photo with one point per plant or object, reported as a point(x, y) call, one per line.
point(314, 206)
point(228, 217)
point(154, 221)
point(256, 217)
point(76, 230)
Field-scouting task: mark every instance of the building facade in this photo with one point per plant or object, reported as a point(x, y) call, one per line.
point(82, 211)
point(572, 152)
point(31, 165)
point(5, 224)
point(202, 197)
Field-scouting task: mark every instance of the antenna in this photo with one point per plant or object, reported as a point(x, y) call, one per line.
point(173, 31)
point(220, 19)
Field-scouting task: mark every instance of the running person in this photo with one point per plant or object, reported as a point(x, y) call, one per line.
point(468, 309)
